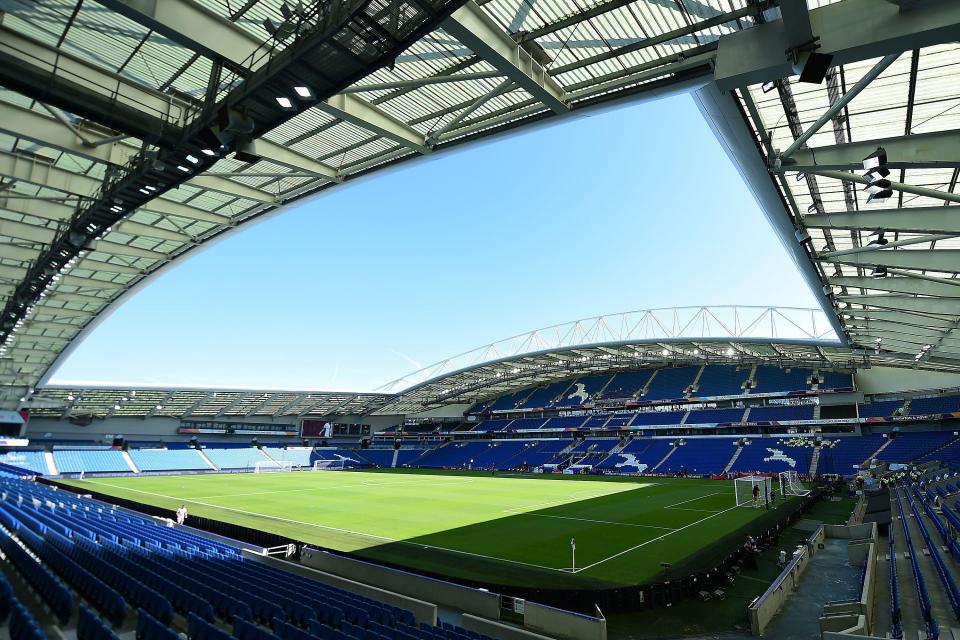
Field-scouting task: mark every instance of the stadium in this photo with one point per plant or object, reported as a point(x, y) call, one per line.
point(692, 471)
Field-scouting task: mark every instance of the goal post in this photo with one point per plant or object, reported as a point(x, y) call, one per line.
point(744, 491)
point(272, 466)
point(328, 465)
point(790, 484)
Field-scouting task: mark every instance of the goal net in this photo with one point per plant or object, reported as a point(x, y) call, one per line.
point(328, 465)
point(744, 490)
point(270, 466)
point(790, 484)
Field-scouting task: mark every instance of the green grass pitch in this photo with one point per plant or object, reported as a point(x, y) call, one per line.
point(503, 529)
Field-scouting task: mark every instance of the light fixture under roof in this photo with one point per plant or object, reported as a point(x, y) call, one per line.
point(304, 92)
point(767, 87)
point(730, 351)
point(879, 272)
point(876, 159)
point(208, 152)
point(285, 103)
point(192, 159)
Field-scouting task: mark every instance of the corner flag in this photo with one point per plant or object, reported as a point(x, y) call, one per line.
point(573, 543)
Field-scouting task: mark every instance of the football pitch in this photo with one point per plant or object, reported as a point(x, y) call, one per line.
point(503, 529)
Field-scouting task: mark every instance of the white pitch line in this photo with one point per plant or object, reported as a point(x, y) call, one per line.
point(643, 544)
point(692, 509)
point(320, 488)
point(622, 524)
point(574, 497)
point(671, 506)
point(329, 528)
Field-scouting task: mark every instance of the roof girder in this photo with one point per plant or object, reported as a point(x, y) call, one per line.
point(850, 31)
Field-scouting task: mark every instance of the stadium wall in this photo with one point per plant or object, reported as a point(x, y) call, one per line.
point(891, 380)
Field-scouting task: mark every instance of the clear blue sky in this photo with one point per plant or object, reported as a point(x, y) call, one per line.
point(629, 209)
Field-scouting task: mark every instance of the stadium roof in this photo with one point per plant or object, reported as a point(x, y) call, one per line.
point(96, 91)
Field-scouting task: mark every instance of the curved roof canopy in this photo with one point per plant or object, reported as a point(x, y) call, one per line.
point(96, 91)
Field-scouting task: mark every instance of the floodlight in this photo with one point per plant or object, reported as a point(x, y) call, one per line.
point(192, 159)
point(269, 26)
point(247, 151)
point(879, 241)
point(926, 347)
point(876, 159)
point(767, 87)
point(208, 152)
point(880, 196)
point(304, 93)
point(876, 186)
point(876, 173)
point(814, 66)
point(879, 272)
point(183, 168)
point(285, 103)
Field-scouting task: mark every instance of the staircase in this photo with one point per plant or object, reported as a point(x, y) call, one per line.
point(816, 411)
point(129, 461)
point(940, 448)
point(736, 454)
point(599, 394)
point(814, 461)
point(695, 385)
point(620, 446)
point(906, 406)
point(746, 415)
point(751, 379)
point(873, 455)
point(664, 459)
point(396, 454)
point(207, 460)
point(570, 447)
point(51, 465)
point(643, 391)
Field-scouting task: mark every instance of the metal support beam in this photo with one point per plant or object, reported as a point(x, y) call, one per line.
point(839, 105)
point(867, 248)
point(850, 31)
point(479, 33)
point(896, 186)
point(50, 75)
point(917, 151)
point(939, 306)
point(942, 260)
point(195, 27)
point(915, 220)
point(366, 116)
point(941, 287)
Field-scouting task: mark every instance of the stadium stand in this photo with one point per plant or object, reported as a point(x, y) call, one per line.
point(30, 460)
point(907, 447)
point(168, 460)
point(90, 460)
point(298, 456)
point(492, 425)
point(640, 455)
point(626, 384)
point(670, 383)
point(526, 423)
point(934, 405)
point(545, 396)
point(702, 456)
point(583, 390)
point(655, 418)
point(773, 455)
point(839, 455)
point(120, 564)
point(879, 408)
point(834, 380)
point(721, 380)
point(235, 458)
point(771, 379)
point(565, 422)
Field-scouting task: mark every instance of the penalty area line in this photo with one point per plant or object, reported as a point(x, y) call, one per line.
point(337, 529)
point(643, 544)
